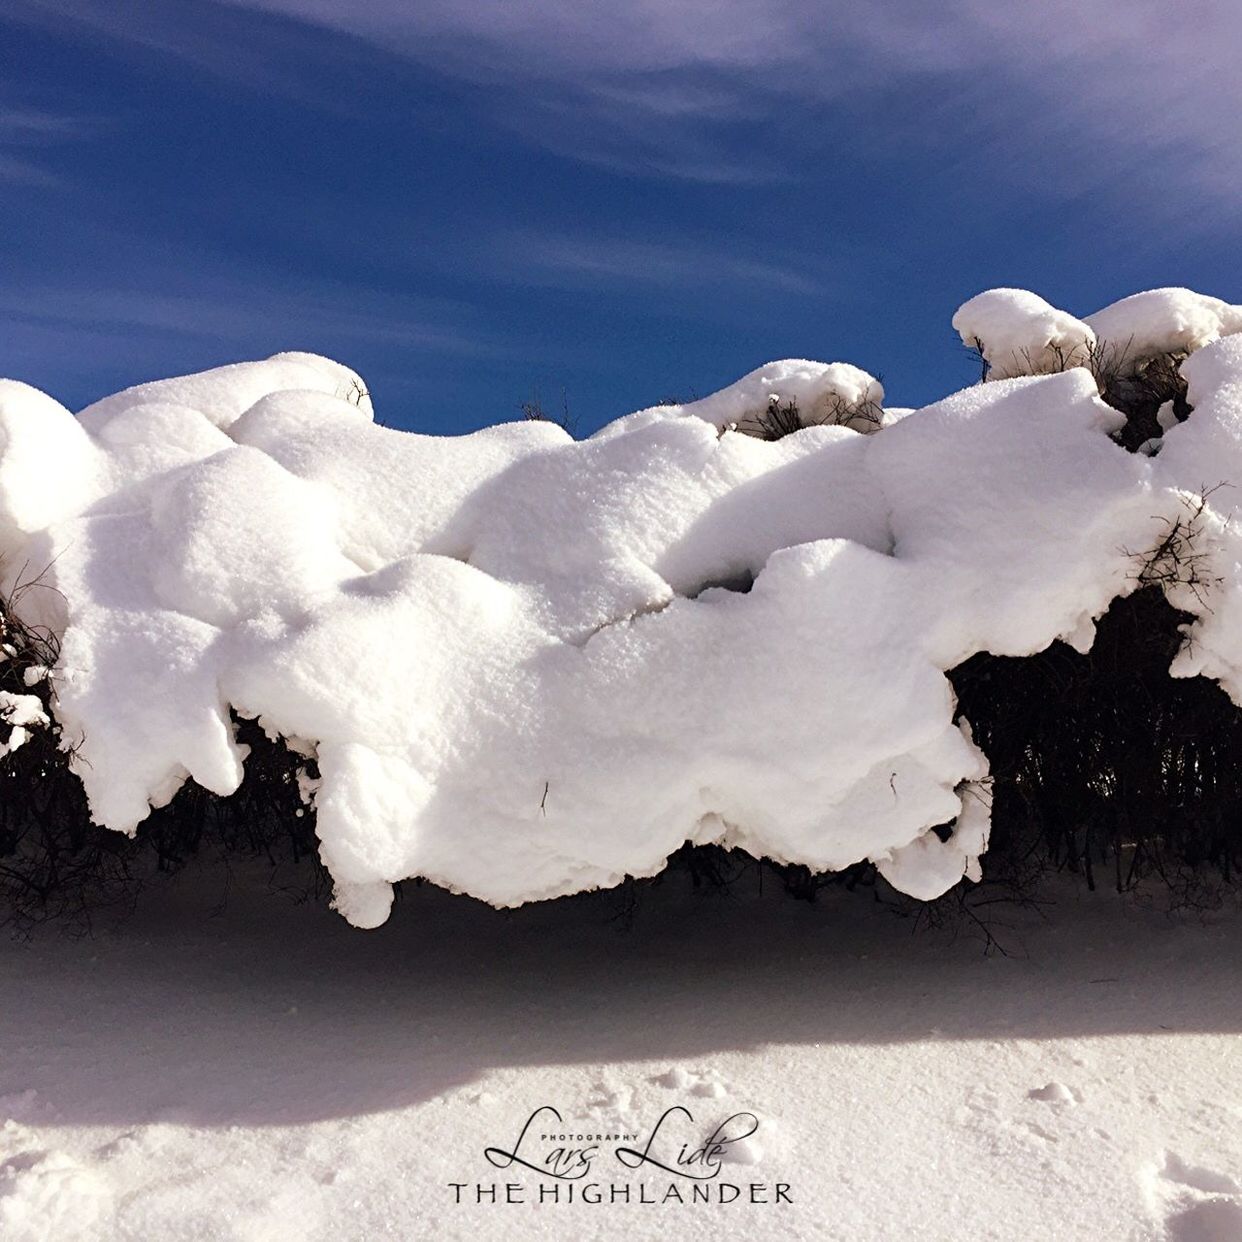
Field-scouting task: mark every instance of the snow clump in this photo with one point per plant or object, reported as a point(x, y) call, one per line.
point(1018, 333)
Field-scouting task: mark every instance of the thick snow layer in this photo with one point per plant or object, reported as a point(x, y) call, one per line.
point(1204, 455)
point(1163, 321)
point(1019, 333)
point(528, 666)
point(259, 1074)
point(831, 393)
point(223, 395)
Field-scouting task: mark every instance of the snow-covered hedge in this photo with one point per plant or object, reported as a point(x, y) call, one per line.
point(524, 666)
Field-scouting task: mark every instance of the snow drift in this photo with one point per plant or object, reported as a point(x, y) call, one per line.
point(528, 666)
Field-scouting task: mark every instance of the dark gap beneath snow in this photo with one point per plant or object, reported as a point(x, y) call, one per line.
point(1103, 763)
point(1139, 390)
point(56, 864)
point(741, 582)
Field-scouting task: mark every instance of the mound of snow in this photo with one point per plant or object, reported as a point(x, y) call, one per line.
point(529, 666)
point(224, 394)
point(823, 393)
point(1019, 333)
point(40, 441)
point(1163, 321)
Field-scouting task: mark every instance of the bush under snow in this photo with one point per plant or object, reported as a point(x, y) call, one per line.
point(527, 666)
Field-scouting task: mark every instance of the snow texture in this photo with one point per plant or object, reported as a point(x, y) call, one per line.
point(1163, 321)
point(248, 1071)
point(19, 713)
point(833, 393)
point(528, 666)
point(1018, 333)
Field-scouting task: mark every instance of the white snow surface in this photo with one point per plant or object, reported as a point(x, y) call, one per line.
point(257, 1073)
point(1164, 321)
point(19, 714)
point(517, 658)
point(1019, 333)
point(833, 393)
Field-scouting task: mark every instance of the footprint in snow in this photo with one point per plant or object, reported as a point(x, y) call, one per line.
point(1197, 1176)
point(1196, 1203)
point(1210, 1220)
point(705, 1085)
point(983, 1101)
point(608, 1102)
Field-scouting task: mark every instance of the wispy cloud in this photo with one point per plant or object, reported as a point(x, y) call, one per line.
point(233, 313)
point(683, 128)
point(80, 341)
point(31, 126)
point(25, 133)
point(1064, 94)
point(23, 172)
point(656, 85)
point(583, 260)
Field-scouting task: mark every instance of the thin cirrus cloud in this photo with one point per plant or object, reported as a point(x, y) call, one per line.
point(656, 84)
point(30, 126)
point(234, 313)
point(18, 171)
point(79, 341)
point(572, 261)
point(628, 128)
point(24, 134)
point(1063, 94)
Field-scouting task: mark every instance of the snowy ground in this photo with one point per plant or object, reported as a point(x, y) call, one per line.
point(268, 1073)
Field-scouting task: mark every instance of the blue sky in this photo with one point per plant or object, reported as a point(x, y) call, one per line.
point(471, 203)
